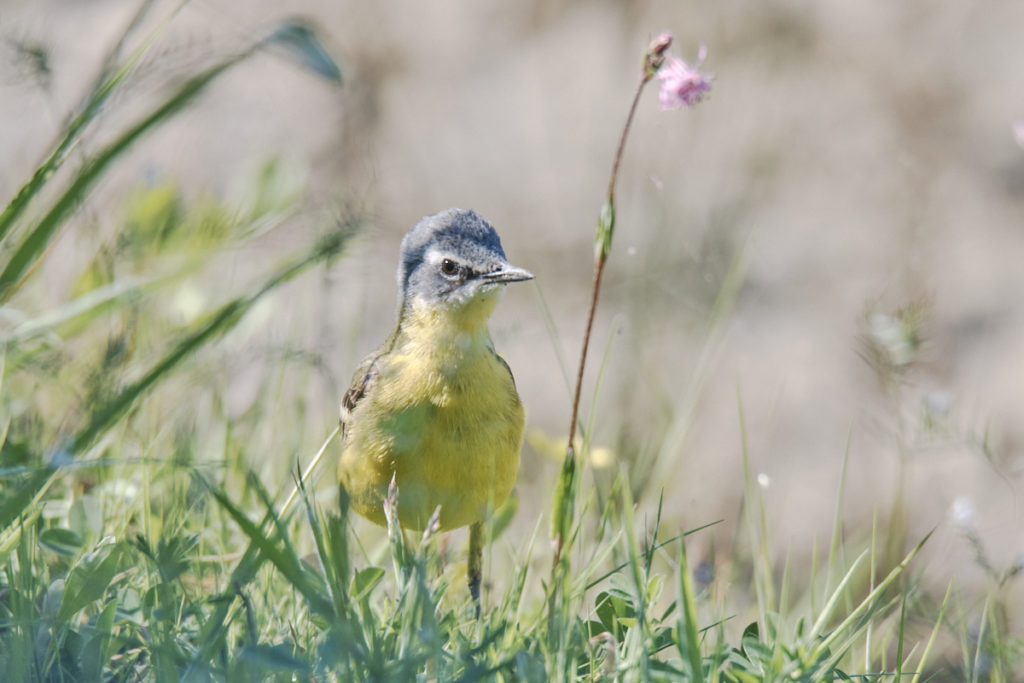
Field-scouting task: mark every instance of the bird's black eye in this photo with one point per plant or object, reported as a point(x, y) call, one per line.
point(449, 267)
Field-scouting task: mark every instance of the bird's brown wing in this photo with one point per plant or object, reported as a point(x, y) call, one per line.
point(363, 382)
point(364, 379)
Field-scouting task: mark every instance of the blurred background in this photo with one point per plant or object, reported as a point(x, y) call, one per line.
point(823, 262)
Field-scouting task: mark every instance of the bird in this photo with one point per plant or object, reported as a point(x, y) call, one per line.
point(435, 409)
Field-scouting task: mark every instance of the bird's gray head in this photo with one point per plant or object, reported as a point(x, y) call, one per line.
point(451, 257)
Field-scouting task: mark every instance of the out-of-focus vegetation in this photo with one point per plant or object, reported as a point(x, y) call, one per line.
point(142, 530)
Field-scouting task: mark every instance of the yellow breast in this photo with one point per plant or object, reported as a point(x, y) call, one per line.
point(443, 417)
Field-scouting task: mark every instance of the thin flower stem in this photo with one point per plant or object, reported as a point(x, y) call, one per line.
point(644, 79)
point(601, 259)
point(595, 290)
point(307, 473)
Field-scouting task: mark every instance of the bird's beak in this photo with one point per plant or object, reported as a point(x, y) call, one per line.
point(507, 273)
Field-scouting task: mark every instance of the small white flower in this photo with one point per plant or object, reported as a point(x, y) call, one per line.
point(891, 335)
point(938, 403)
point(963, 512)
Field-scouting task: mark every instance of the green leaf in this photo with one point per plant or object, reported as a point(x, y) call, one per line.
point(273, 658)
point(610, 610)
point(90, 579)
point(22, 503)
point(594, 628)
point(752, 634)
point(365, 580)
point(95, 652)
point(621, 590)
point(565, 495)
point(61, 541)
point(172, 555)
point(605, 229)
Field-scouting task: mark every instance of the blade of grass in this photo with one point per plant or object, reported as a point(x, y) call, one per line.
point(826, 611)
point(828, 660)
point(33, 246)
point(108, 414)
point(92, 301)
point(22, 508)
point(621, 566)
point(215, 628)
point(331, 539)
point(839, 631)
point(899, 640)
point(223, 320)
point(299, 39)
point(554, 342)
point(979, 647)
point(687, 638)
point(931, 639)
point(606, 357)
point(100, 92)
point(308, 472)
point(667, 459)
point(757, 528)
point(837, 517)
point(284, 559)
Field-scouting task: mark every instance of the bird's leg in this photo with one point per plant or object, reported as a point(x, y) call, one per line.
point(474, 571)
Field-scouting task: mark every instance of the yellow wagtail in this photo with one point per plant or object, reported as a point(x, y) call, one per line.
point(435, 407)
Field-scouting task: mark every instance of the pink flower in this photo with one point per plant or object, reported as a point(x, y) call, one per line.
point(681, 84)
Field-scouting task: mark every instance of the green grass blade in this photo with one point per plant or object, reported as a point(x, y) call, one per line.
point(300, 40)
point(22, 507)
point(667, 458)
point(935, 633)
point(108, 414)
point(829, 608)
point(98, 95)
point(980, 641)
point(900, 640)
point(840, 630)
point(757, 524)
point(220, 322)
point(687, 636)
point(90, 302)
point(619, 567)
point(554, 341)
point(283, 559)
point(215, 627)
point(837, 518)
point(640, 631)
point(32, 247)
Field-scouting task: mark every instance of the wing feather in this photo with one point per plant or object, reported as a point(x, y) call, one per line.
point(363, 382)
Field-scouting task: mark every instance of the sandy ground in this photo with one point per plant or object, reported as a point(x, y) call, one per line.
point(855, 159)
